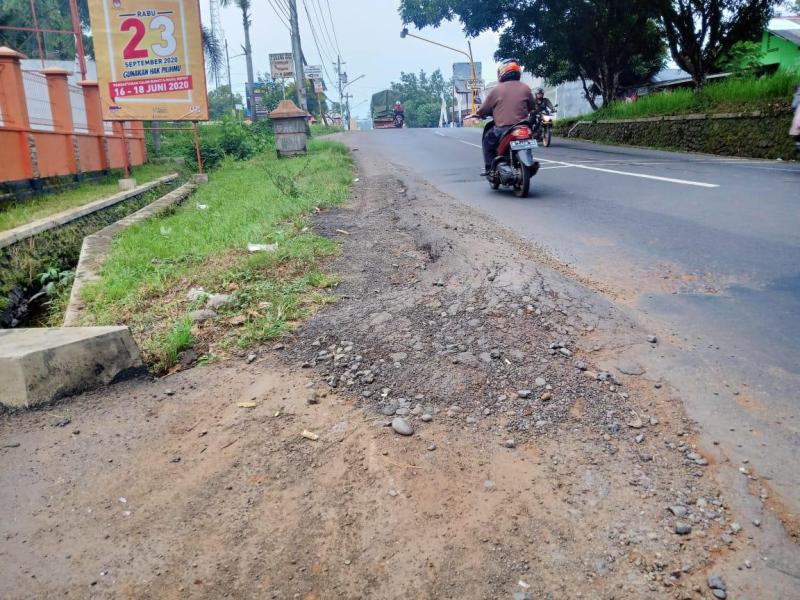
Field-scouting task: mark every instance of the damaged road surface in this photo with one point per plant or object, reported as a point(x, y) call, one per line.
point(464, 422)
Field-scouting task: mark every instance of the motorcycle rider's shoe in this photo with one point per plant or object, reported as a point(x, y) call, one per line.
point(485, 172)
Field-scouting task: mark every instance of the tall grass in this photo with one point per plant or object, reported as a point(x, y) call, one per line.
point(734, 94)
point(153, 264)
point(14, 214)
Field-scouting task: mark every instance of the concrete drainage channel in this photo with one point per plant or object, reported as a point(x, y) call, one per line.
point(40, 366)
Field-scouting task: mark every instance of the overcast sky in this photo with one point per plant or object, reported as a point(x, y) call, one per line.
point(368, 33)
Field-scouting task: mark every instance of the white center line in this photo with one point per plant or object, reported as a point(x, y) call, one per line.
point(631, 174)
point(615, 172)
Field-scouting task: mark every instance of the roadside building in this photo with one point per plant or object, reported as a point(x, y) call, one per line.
point(780, 43)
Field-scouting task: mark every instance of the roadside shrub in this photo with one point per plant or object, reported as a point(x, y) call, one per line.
point(211, 151)
point(236, 143)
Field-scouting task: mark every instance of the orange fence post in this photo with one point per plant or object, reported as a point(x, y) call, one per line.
point(62, 112)
point(94, 118)
point(15, 154)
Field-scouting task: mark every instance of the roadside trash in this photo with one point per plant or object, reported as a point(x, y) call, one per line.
point(202, 207)
point(262, 247)
point(343, 232)
point(166, 230)
point(247, 404)
point(195, 294)
point(356, 180)
point(309, 435)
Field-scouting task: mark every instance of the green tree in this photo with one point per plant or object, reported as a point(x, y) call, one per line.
point(607, 44)
point(273, 92)
point(311, 98)
point(221, 101)
point(701, 32)
point(213, 51)
point(51, 14)
point(422, 97)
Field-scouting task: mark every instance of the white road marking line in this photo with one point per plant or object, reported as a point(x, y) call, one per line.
point(615, 172)
point(439, 133)
point(555, 167)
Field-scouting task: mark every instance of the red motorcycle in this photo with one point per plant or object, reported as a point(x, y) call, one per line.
point(514, 165)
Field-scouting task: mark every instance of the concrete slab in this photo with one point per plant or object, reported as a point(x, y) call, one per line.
point(38, 366)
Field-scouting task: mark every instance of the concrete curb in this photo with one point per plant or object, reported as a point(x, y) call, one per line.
point(96, 246)
point(40, 366)
point(12, 236)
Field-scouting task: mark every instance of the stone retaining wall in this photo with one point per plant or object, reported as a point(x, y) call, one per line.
point(754, 135)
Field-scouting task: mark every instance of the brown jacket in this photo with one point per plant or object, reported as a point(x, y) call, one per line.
point(509, 103)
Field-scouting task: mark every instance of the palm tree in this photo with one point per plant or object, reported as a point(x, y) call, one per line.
point(213, 53)
point(244, 6)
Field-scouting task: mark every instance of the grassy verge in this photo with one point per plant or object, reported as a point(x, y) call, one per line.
point(263, 200)
point(36, 207)
point(734, 94)
point(320, 129)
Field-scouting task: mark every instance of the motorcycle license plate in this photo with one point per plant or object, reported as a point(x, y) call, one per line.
point(524, 145)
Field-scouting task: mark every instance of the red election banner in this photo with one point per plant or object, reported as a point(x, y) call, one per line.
point(150, 62)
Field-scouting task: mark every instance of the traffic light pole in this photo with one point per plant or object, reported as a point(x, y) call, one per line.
point(473, 72)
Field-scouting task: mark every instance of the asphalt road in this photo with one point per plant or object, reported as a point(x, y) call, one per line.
point(704, 249)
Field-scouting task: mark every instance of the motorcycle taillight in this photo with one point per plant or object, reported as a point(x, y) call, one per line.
point(521, 133)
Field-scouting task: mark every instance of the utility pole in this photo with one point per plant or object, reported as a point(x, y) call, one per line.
point(297, 54)
point(339, 80)
point(347, 104)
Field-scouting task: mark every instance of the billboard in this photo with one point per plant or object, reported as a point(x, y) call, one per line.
point(281, 65)
point(149, 57)
point(257, 93)
point(462, 76)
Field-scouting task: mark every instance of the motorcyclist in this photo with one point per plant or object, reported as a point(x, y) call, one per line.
point(542, 104)
point(399, 109)
point(510, 102)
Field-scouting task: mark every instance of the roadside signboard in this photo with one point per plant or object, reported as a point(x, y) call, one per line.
point(281, 65)
point(318, 87)
point(257, 93)
point(313, 71)
point(149, 60)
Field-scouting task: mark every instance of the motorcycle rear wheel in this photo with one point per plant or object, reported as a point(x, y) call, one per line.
point(522, 189)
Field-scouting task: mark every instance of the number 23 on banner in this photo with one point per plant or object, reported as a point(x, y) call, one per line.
point(165, 48)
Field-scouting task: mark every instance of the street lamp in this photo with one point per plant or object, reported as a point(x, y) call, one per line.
point(347, 97)
point(473, 83)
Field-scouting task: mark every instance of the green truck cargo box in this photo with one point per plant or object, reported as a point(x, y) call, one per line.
point(383, 103)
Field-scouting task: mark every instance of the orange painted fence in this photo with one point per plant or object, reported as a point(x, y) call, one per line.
point(54, 144)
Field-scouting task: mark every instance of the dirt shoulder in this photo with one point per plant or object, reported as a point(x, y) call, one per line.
point(202, 485)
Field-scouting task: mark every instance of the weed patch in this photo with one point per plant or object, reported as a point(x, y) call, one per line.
point(264, 200)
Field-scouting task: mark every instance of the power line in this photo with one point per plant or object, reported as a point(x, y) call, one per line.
point(321, 19)
point(316, 42)
point(321, 49)
point(333, 27)
point(284, 8)
point(277, 13)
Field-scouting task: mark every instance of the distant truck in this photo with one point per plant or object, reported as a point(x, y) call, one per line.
point(386, 114)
